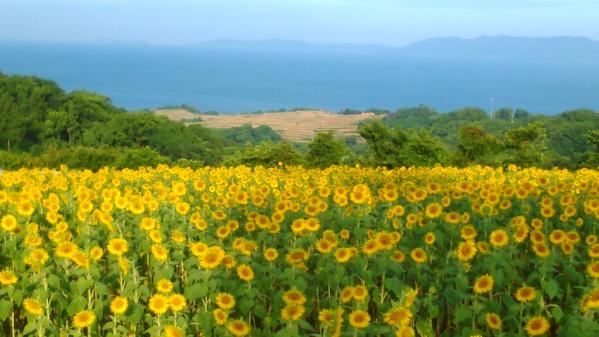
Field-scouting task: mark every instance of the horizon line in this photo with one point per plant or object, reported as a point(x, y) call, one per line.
point(312, 43)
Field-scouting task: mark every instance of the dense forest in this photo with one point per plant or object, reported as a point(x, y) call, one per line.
point(42, 125)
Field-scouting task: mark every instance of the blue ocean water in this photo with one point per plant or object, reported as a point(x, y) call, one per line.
point(137, 77)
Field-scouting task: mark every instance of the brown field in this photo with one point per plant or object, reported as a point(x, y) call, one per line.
point(293, 125)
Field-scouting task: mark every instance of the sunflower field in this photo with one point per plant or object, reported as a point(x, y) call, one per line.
point(288, 251)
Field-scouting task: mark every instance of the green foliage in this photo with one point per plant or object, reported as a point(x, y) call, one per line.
point(38, 117)
point(324, 150)
point(246, 134)
point(81, 157)
point(412, 118)
point(476, 145)
point(266, 154)
point(526, 146)
point(392, 147)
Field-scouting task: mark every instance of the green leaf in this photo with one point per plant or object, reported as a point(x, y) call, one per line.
point(196, 291)
point(5, 309)
point(462, 313)
point(53, 281)
point(425, 328)
point(77, 304)
point(136, 312)
point(245, 305)
point(551, 288)
point(83, 285)
point(557, 313)
point(29, 328)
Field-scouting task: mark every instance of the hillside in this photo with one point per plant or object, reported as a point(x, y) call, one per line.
point(292, 125)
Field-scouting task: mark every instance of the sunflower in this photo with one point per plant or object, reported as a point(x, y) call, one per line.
point(418, 255)
point(172, 331)
point(292, 312)
point(159, 252)
point(360, 194)
point(468, 232)
point(430, 238)
point(96, 253)
point(525, 294)
point(270, 254)
point(229, 262)
point(557, 236)
point(370, 247)
point(398, 316)
point(342, 255)
point(164, 286)
point(573, 237)
point(499, 238)
point(25, 209)
point(326, 316)
point(33, 307)
point(294, 296)
point(567, 248)
point(360, 293)
point(347, 294)
point(118, 246)
point(520, 234)
point(198, 249)
point(466, 251)
point(593, 269)
point(433, 210)
point(405, 331)
point(398, 256)
point(493, 321)
point(238, 328)
point(483, 284)
point(182, 208)
point(245, 272)
point(220, 316)
point(324, 246)
point(212, 258)
point(83, 319)
point(7, 278)
point(158, 304)
point(147, 224)
point(177, 302)
point(119, 305)
point(594, 251)
point(66, 249)
point(225, 301)
point(537, 325)
point(359, 319)
point(9, 222)
point(540, 249)
point(591, 300)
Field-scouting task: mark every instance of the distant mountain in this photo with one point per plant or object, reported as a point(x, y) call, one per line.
point(486, 47)
point(291, 46)
point(507, 47)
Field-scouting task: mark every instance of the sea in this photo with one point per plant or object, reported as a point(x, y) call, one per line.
point(232, 81)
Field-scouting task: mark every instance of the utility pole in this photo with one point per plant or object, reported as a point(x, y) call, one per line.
point(492, 108)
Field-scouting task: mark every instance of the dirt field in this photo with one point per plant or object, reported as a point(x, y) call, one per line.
point(293, 126)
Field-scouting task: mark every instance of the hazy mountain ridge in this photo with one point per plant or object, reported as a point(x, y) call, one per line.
point(485, 47)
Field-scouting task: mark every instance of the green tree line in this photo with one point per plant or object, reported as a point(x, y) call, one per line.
point(42, 125)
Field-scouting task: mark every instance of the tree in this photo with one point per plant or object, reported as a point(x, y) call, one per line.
point(521, 114)
point(475, 145)
point(505, 114)
point(266, 154)
point(526, 145)
point(425, 149)
point(324, 150)
point(385, 144)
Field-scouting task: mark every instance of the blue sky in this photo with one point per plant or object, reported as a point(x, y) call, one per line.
point(391, 22)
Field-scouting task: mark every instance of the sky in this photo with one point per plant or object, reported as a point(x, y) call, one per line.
point(389, 22)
